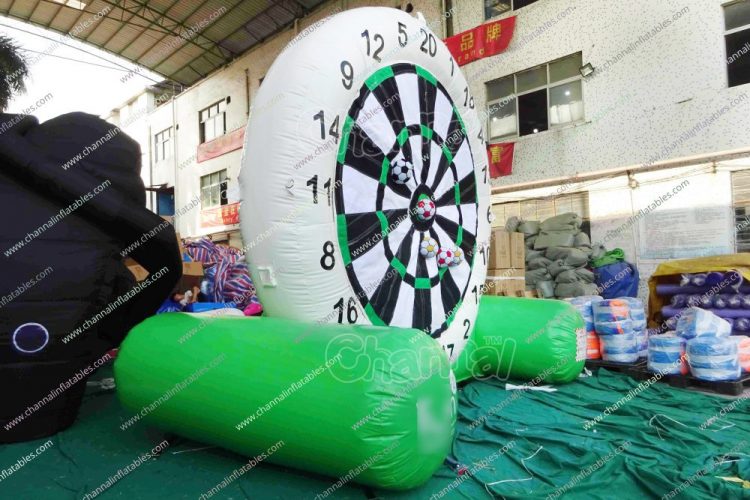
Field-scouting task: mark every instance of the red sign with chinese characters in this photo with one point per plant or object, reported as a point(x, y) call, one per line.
point(500, 157)
point(483, 41)
point(221, 145)
point(221, 216)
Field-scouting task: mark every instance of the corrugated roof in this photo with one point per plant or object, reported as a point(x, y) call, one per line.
point(183, 40)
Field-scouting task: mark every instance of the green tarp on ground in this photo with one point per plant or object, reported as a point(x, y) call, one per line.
point(546, 448)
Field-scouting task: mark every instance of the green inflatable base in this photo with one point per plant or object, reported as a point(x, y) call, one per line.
point(373, 405)
point(537, 340)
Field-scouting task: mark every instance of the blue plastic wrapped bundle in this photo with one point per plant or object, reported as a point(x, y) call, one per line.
point(620, 348)
point(666, 354)
point(679, 300)
point(610, 310)
point(637, 310)
point(671, 323)
point(642, 339)
point(712, 358)
point(742, 324)
point(614, 327)
point(695, 322)
point(584, 306)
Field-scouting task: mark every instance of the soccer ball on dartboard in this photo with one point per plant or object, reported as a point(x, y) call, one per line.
point(445, 257)
point(428, 248)
point(458, 256)
point(401, 171)
point(425, 209)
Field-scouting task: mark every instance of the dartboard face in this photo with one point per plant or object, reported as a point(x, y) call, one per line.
point(404, 117)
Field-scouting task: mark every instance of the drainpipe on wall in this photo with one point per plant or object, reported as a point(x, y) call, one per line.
point(247, 81)
point(448, 26)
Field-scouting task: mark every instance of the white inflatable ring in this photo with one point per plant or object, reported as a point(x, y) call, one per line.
point(365, 190)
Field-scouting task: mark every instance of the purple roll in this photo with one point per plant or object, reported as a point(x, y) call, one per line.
point(742, 324)
point(735, 302)
point(698, 279)
point(714, 278)
point(745, 301)
point(721, 301)
point(679, 300)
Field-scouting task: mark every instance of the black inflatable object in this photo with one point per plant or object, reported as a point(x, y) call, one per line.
point(78, 255)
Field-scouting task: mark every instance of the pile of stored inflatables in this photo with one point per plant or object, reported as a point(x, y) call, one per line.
point(702, 343)
point(706, 314)
point(615, 328)
point(557, 256)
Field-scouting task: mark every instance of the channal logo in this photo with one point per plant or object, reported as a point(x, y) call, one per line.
point(30, 338)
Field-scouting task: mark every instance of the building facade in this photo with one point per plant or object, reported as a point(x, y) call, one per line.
point(611, 106)
point(634, 114)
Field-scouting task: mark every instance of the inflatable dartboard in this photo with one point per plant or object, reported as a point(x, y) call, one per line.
point(365, 194)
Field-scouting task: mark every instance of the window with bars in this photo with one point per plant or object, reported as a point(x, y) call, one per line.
point(214, 189)
point(213, 121)
point(537, 99)
point(494, 8)
point(163, 145)
point(540, 209)
point(737, 39)
point(741, 204)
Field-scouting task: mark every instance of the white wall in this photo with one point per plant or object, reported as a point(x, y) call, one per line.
point(182, 170)
point(638, 107)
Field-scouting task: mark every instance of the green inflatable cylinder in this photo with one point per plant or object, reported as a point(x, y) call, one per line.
point(367, 404)
point(541, 341)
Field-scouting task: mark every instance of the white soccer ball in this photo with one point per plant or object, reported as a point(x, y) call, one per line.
point(428, 248)
point(444, 257)
point(458, 257)
point(401, 171)
point(426, 209)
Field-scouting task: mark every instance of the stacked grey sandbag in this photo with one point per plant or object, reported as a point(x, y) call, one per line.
point(556, 257)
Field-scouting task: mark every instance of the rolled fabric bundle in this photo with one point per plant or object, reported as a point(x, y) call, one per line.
point(593, 346)
point(679, 300)
point(605, 328)
point(704, 301)
point(546, 289)
point(619, 348)
point(642, 340)
point(538, 263)
point(671, 323)
point(611, 310)
point(666, 354)
point(511, 225)
point(695, 322)
point(720, 301)
point(637, 310)
point(698, 279)
point(533, 254)
point(743, 351)
point(745, 299)
point(714, 278)
point(529, 227)
point(735, 301)
point(584, 306)
point(713, 358)
point(742, 324)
